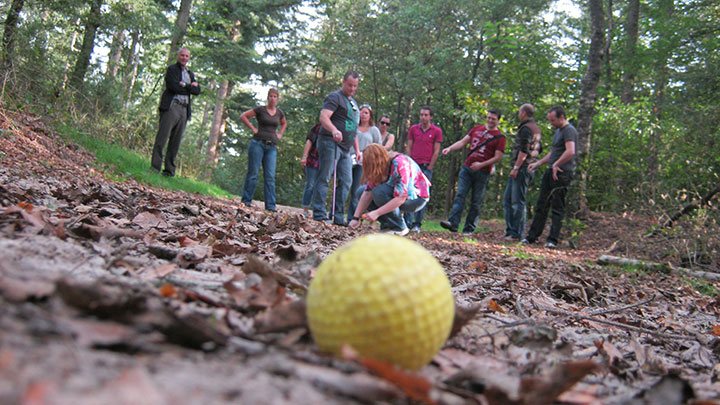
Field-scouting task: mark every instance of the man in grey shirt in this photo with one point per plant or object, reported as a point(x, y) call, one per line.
point(555, 180)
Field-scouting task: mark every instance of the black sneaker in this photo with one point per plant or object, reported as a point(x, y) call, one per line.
point(447, 225)
point(526, 242)
point(551, 245)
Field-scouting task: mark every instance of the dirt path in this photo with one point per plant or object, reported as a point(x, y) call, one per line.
point(119, 293)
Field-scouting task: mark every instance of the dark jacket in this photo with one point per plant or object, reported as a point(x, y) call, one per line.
point(173, 77)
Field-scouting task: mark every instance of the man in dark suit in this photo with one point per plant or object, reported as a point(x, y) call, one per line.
point(174, 112)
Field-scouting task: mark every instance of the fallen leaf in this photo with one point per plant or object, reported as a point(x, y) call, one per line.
point(286, 316)
point(495, 307)
point(186, 241)
point(168, 291)
point(147, 220)
point(463, 315)
point(479, 267)
point(159, 271)
point(546, 389)
point(415, 387)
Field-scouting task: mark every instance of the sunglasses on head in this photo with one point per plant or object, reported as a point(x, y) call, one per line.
point(384, 123)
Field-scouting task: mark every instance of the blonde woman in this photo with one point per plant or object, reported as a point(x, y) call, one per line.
point(395, 185)
point(367, 133)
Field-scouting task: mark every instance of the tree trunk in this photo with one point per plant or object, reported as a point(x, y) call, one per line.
point(588, 94)
point(664, 46)
point(456, 158)
point(631, 38)
point(73, 41)
point(606, 260)
point(217, 127)
point(180, 29)
point(83, 60)
point(406, 123)
point(608, 47)
point(8, 41)
point(116, 49)
point(206, 113)
point(132, 63)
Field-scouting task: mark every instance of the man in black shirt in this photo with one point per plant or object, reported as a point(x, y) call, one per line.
point(555, 180)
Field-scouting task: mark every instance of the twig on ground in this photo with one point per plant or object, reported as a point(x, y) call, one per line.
point(623, 308)
point(618, 324)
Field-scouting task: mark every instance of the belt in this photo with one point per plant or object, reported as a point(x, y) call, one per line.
point(179, 103)
point(269, 143)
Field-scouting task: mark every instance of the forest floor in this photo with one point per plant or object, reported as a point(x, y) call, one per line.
point(114, 292)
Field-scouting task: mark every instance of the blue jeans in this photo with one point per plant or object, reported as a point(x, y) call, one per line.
point(260, 153)
point(329, 154)
point(357, 172)
point(415, 219)
point(393, 220)
point(311, 174)
point(468, 179)
point(515, 212)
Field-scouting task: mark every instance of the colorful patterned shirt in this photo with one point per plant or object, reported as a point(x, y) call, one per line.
point(406, 179)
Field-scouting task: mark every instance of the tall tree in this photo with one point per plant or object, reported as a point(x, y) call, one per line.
point(632, 17)
point(181, 24)
point(92, 22)
point(589, 93)
point(217, 128)
point(116, 49)
point(8, 40)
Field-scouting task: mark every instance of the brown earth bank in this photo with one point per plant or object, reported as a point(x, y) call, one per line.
point(115, 292)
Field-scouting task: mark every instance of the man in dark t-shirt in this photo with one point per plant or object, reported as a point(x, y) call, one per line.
point(339, 119)
point(555, 180)
point(526, 149)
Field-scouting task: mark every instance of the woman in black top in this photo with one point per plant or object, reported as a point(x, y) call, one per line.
point(263, 149)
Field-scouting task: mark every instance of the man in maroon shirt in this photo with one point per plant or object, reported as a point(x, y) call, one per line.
point(487, 146)
point(423, 145)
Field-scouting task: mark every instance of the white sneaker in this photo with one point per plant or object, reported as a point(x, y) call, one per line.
point(402, 232)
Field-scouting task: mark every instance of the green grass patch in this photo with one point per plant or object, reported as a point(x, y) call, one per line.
point(127, 164)
point(703, 287)
point(615, 270)
point(521, 254)
point(434, 226)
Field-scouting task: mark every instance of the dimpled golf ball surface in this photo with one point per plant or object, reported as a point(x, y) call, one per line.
point(384, 295)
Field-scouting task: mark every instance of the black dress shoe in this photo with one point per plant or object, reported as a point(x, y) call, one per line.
point(447, 225)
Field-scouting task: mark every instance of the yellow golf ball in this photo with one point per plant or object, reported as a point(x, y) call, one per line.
point(384, 295)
